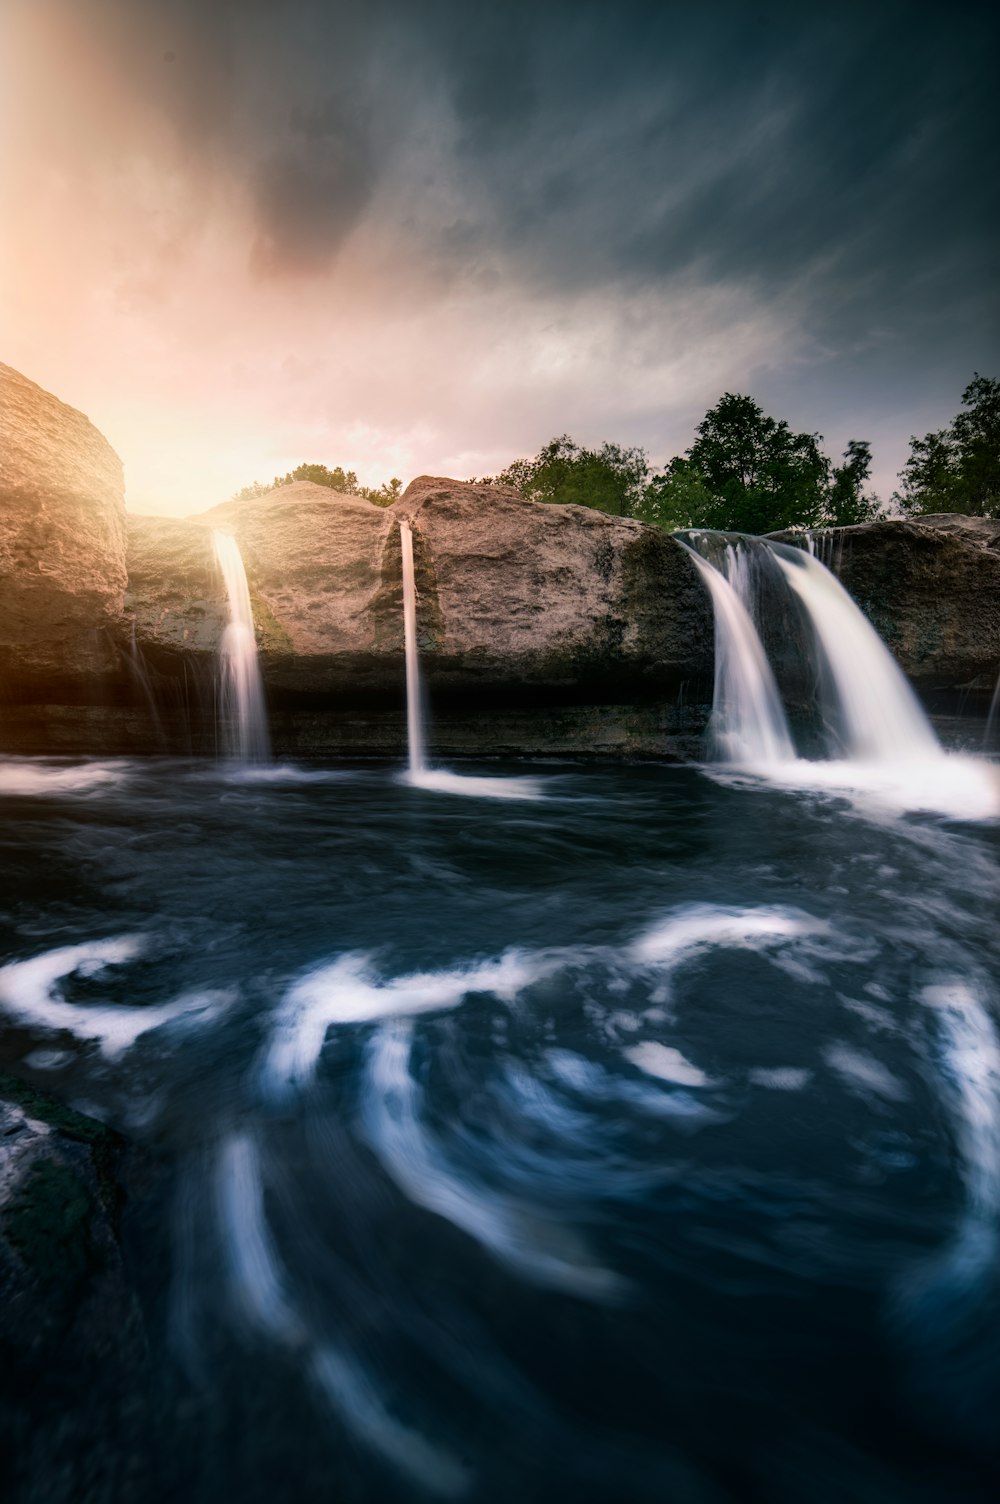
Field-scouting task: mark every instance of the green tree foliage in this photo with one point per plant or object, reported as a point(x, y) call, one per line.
point(747, 472)
point(678, 498)
point(610, 479)
point(337, 479)
point(957, 469)
point(384, 495)
point(846, 502)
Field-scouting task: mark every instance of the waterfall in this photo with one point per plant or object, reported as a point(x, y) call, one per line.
point(993, 715)
point(136, 664)
point(871, 709)
point(242, 713)
point(881, 750)
point(414, 708)
point(439, 780)
point(748, 722)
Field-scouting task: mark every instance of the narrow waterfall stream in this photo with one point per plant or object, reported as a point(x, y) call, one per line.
point(414, 708)
point(438, 780)
point(748, 722)
point(242, 712)
point(993, 715)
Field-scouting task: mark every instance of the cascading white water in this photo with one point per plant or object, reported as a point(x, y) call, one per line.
point(242, 712)
point(882, 749)
point(871, 708)
point(414, 707)
point(748, 722)
point(993, 716)
point(736, 568)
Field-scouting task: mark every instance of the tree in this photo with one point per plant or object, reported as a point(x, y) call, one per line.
point(384, 495)
point(747, 472)
point(846, 502)
point(957, 469)
point(759, 474)
point(609, 479)
point(338, 479)
point(679, 498)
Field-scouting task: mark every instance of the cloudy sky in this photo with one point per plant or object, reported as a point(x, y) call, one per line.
point(428, 235)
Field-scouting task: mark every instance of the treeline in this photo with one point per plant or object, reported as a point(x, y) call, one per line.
point(338, 479)
point(746, 472)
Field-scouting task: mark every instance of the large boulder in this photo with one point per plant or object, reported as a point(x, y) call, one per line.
point(511, 593)
point(326, 596)
point(550, 614)
point(562, 598)
point(62, 539)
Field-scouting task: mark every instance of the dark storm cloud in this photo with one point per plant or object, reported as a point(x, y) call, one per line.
point(851, 148)
point(312, 189)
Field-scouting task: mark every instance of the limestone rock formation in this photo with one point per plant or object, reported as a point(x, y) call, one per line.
point(62, 538)
point(516, 599)
point(325, 591)
point(542, 628)
point(175, 599)
point(514, 592)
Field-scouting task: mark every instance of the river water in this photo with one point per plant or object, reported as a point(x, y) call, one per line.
point(635, 1141)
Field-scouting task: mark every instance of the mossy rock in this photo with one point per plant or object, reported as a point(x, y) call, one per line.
point(104, 1143)
point(47, 1222)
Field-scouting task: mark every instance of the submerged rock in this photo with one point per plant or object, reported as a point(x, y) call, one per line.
point(62, 539)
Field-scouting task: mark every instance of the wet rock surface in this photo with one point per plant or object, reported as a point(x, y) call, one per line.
point(62, 539)
point(540, 628)
point(510, 593)
point(73, 1360)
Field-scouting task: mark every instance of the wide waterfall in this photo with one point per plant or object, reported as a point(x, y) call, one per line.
point(242, 712)
point(869, 708)
point(876, 742)
point(748, 722)
point(414, 706)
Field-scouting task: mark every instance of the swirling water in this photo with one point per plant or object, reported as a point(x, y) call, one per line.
point(640, 1141)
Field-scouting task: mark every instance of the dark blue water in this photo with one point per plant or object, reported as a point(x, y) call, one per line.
point(639, 1142)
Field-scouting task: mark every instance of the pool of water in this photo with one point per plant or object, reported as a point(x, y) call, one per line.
point(634, 1139)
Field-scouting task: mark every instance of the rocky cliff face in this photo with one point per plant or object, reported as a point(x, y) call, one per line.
point(543, 629)
point(511, 594)
point(62, 540)
point(517, 593)
point(524, 611)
